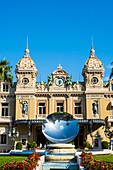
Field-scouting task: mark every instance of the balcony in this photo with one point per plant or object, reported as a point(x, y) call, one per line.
point(78, 116)
point(5, 119)
point(41, 116)
point(110, 118)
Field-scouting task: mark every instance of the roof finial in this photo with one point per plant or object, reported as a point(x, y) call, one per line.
point(59, 66)
point(92, 51)
point(27, 43)
point(26, 50)
point(92, 46)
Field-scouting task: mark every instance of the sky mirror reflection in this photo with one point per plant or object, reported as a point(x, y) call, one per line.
point(60, 127)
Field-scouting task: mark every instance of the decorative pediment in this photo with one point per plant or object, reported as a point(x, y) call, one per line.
point(59, 71)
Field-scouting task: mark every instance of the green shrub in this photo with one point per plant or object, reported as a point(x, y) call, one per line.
point(87, 144)
point(104, 145)
point(31, 145)
point(34, 145)
point(28, 145)
point(19, 145)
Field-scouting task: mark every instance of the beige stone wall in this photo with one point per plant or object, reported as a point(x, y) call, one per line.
point(32, 109)
point(12, 107)
point(18, 114)
point(103, 107)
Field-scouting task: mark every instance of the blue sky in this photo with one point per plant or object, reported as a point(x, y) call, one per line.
point(59, 31)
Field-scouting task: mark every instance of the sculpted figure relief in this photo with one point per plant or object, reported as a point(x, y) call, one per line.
point(50, 81)
point(68, 80)
point(24, 108)
point(95, 107)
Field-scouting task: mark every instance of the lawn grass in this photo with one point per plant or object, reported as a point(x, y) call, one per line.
point(5, 159)
point(105, 158)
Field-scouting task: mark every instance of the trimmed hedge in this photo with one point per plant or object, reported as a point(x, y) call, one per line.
point(19, 146)
point(104, 145)
point(31, 145)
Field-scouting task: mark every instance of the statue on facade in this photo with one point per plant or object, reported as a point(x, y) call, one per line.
point(50, 81)
point(24, 108)
point(95, 107)
point(68, 80)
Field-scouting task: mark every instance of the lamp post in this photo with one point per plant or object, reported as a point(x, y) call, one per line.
point(13, 134)
point(91, 129)
point(109, 134)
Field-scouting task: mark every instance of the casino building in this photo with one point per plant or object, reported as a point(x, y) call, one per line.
point(24, 106)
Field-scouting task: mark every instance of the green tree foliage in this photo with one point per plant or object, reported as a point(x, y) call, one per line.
point(5, 72)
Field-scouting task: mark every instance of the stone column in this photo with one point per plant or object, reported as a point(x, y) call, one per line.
point(69, 104)
point(51, 104)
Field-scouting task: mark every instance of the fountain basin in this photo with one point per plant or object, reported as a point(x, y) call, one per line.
point(60, 166)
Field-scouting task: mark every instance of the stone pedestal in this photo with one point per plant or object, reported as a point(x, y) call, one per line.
point(60, 156)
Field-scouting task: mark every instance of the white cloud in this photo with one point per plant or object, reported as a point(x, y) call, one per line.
point(61, 127)
point(106, 78)
point(109, 66)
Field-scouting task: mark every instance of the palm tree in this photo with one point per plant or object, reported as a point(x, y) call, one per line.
point(111, 72)
point(5, 72)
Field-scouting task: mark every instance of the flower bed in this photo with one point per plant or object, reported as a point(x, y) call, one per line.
point(29, 164)
point(88, 162)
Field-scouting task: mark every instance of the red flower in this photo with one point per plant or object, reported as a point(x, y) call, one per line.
point(30, 163)
point(90, 163)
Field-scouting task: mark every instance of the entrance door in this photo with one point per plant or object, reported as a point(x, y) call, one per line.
point(41, 140)
point(79, 140)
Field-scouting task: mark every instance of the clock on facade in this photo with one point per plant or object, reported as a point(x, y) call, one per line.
point(59, 81)
point(25, 81)
point(94, 80)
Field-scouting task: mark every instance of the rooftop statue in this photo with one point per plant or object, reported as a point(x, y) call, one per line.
point(68, 80)
point(50, 81)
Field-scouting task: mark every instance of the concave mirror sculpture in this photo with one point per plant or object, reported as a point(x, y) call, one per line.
point(60, 127)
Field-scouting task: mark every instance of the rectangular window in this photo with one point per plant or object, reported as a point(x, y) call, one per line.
point(77, 108)
point(3, 139)
point(5, 87)
point(4, 109)
point(42, 108)
point(60, 107)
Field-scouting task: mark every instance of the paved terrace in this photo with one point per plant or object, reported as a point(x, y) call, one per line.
point(96, 152)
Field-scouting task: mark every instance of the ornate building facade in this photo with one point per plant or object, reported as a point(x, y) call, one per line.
point(26, 104)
